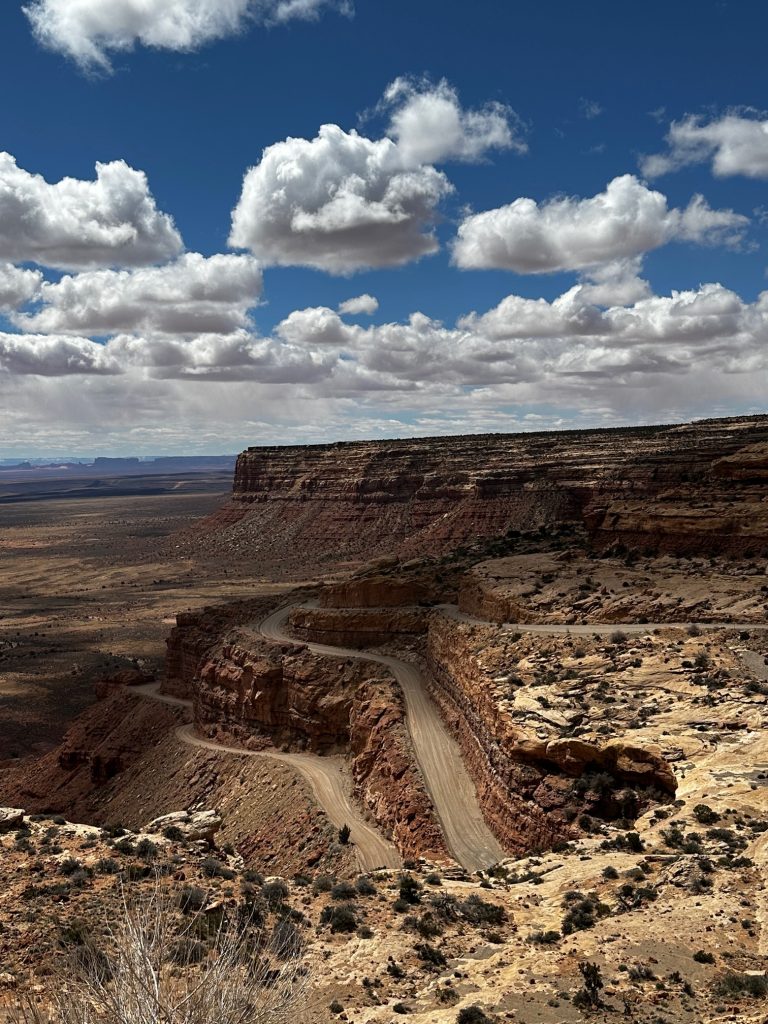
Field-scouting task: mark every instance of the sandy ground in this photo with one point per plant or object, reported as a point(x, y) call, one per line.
point(89, 587)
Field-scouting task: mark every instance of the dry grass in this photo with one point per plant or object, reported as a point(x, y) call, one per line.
point(151, 967)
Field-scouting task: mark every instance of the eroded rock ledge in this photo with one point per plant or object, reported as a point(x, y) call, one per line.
point(689, 487)
point(525, 782)
point(259, 693)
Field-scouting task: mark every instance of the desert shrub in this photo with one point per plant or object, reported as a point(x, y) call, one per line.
point(610, 873)
point(735, 984)
point(627, 842)
point(365, 886)
point(274, 893)
point(429, 954)
point(69, 866)
point(214, 868)
point(341, 918)
point(701, 956)
point(106, 866)
point(344, 833)
point(173, 833)
point(428, 926)
point(472, 1015)
point(581, 912)
point(344, 891)
point(410, 889)
point(477, 911)
point(548, 938)
point(125, 846)
point(323, 883)
point(705, 815)
point(191, 899)
point(588, 996)
point(146, 849)
point(445, 905)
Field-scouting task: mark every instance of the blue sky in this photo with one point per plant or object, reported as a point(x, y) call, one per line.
point(585, 91)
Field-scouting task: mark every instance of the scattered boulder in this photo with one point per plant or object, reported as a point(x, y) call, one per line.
point(195, 826)
point(11, 818)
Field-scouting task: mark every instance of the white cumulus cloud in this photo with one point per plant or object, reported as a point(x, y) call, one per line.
point(74, 224)
point(430, 125)
point(736, 144)
point(624, 221)
point(17, 286)
point(52, 356)
point(342, 202)
point(366, 304)
point(88, 31)
point(192, 295)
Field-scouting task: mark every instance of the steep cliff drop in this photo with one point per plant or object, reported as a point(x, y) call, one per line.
point(691, 487)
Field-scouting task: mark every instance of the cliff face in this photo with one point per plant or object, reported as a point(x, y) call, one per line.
point(527, 780)
point(262, 694)
point(668, 487)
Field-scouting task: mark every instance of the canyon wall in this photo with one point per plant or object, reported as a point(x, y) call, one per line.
point(524, 782)
point(684, 487)
point(261, 694)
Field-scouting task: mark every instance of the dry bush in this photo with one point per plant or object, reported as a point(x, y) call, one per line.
point(139, 973)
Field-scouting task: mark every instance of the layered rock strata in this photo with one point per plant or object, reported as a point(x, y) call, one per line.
point(686, 487)
point(260, 693)
point(525, 783)
point(358, 627)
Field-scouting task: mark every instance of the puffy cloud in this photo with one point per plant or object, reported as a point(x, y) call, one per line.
point(192, 295)
point(430, 126)
point(73, 224)
point(89, 30)
point(317, 325)
point(342, 202)
point(51, 356)
point(625, 220)
point(735, 144)
point(366, 304)
point(17, 286)
point(339, 202)
point(590, 109)
point(237, 356)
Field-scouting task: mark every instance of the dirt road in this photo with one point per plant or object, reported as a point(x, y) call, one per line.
point(453, 793)
point(329, 782)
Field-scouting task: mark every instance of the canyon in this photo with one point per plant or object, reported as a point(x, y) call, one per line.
point(519, 663)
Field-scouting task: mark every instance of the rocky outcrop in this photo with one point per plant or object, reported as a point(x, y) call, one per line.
point(195, 633)
point(357, 627)
point(374, 592)
point(525, 783)
point(263, 694)
point(101, 744)
point(189, 826)
point(684, 487)
point(11, 818)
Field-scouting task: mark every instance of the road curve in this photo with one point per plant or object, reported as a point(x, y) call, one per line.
point(453, 794)
point(329, 783)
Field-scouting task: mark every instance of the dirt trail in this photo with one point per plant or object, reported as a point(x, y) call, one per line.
point(329, 782)
point(453, 794)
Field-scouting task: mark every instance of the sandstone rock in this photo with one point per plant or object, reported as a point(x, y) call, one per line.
point(684, 488)
point(195, 826)
point(11, 818)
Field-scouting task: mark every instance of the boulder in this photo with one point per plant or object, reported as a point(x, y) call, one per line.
point(195, 826)
point(11, 818)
